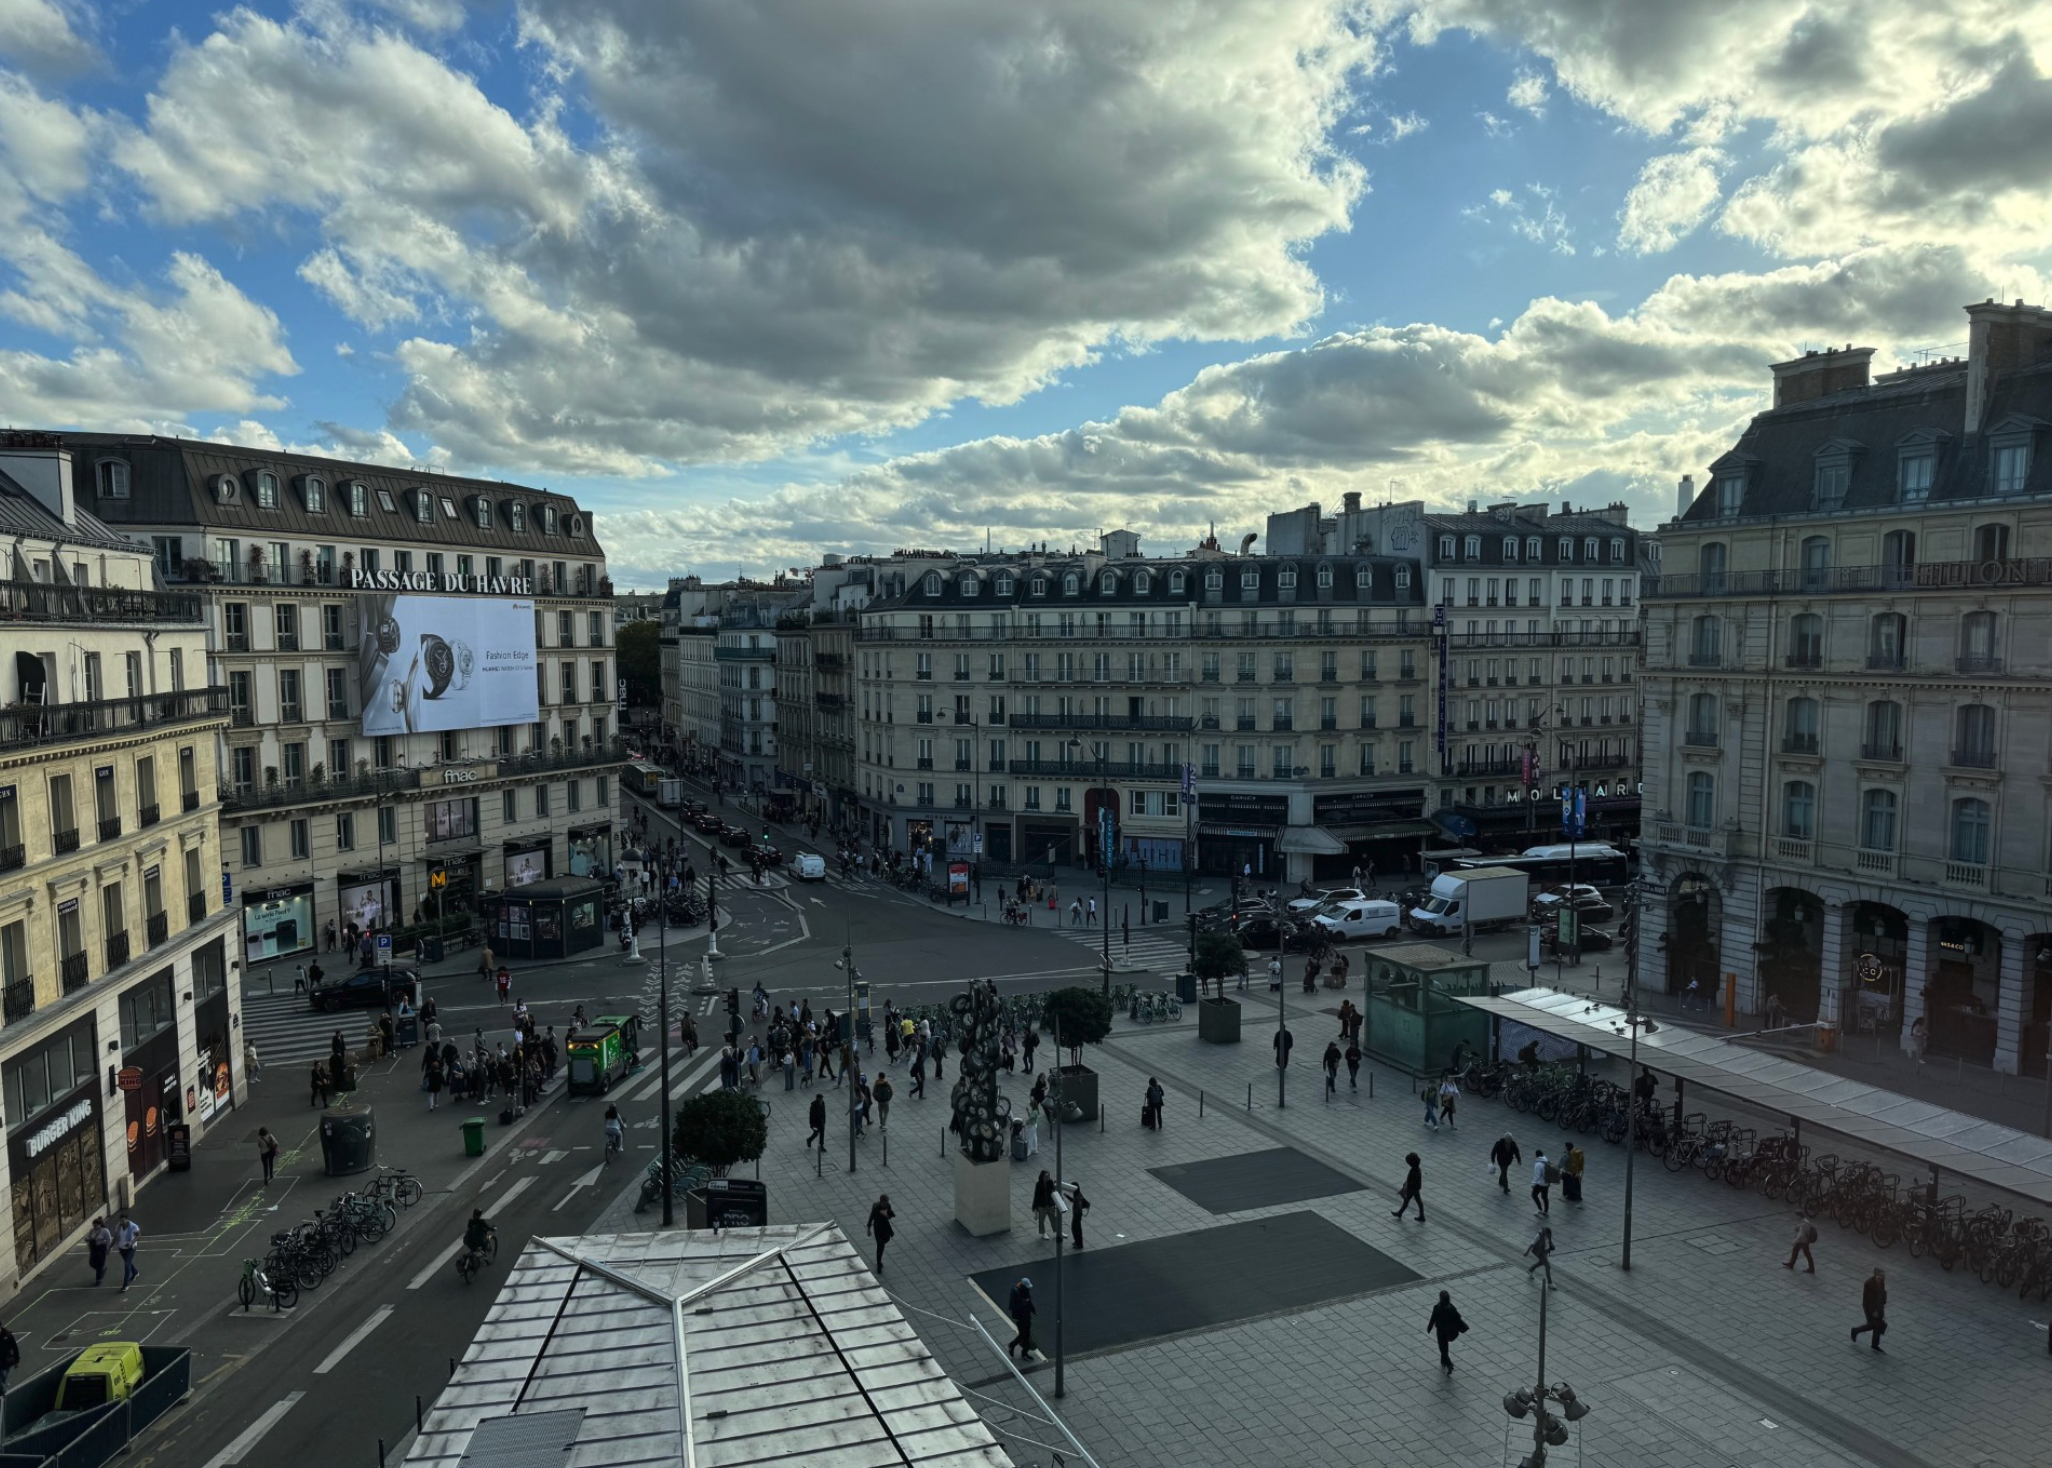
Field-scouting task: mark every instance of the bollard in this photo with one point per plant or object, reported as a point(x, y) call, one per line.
point(452, 1368)
point(944, 1144)
point(1371, 1085)
point(1200, 1106)
point(1250, 1095)
point(381, 1453)
point(419, 1425)
point(1100, 1116)
point(885, 1137)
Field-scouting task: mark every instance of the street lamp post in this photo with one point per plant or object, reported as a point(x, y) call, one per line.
point(1103, 862)
point(1547, 1429)
point(847, 962)
point(663, 1019)
point(1054, 1099)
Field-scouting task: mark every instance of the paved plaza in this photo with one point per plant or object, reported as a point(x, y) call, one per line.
point(1707, 1354)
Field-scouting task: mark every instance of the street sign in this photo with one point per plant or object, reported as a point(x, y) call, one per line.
point(385, 949)
point(1104, 836)
point(438, 879)
point(130, 1078)
point(227, 887)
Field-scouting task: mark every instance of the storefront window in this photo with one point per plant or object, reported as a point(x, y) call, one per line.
point(591, 853)
point(277, 923)
point(59, 1177)
point(451, 820)
point(525, 867)
point(364, 904)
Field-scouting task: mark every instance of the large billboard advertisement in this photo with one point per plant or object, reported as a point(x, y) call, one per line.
point(429, 663)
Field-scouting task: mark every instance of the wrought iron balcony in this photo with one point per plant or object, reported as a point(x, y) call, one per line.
point(196, 907)
point(18, 1000)
point(117, 950)
point(75, 974)
point(147, 815)
point(158, 927)
point(38, 601)
point(110, 828)
point(13, 856)
point(63, 723)
point(63, 842)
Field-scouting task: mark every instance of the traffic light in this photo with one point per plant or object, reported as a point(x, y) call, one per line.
point(734, 1002)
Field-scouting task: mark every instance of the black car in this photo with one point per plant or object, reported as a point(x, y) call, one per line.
point(365, 988)
point(1591, 940)
point(735, 836)
point(1262, 931)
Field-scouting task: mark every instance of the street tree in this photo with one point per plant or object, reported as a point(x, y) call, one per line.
point(1218, 954)
point(720, 1129)
point(1075, 1018)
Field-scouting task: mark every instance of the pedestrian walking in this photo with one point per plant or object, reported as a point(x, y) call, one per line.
point(1045, 1214)
point(1284, 1041)
point(1446, 1324)
point(919, 1072)
point(1449, 1096)
point(1430, 1096)
point(817, 1116)
point(267, 1152)
point(320, 1087)
point(1078, 1206)
point(99, 1239)
point(1020, 1308)
point(881, 1093)
point(1543, 1174)
point(1075, 913)
point(1805, 1235)
point(252, 1064)
point(1505, 1155)
point(790, 1068)
point(1353, 1064)
point(1541, 1252)
point(1026, 1049)
point(1920, 1034)
point(1874, 1303)
point(1150, 1112)
point(1331, 1063)
point(880, 1216)
point(1346, 1018)
point(1275, 975)
point(1571, 1164)
point(1414, 1188)
point(862, 1095)
point(126, 1236)
point(1093, 912)
point(434, 1080)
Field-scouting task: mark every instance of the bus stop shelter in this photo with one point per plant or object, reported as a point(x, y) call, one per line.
point(1941, 1140)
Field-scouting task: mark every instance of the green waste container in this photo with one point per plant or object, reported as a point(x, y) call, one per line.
point(473, 1137)
point(348, 1140)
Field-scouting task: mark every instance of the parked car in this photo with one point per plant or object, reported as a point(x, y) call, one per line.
point(808, 866)
point(1591, 940)
point(1365, 919)
point(1588, 901)
point(365, 988)
point(1263, 931)
point(1330, 897)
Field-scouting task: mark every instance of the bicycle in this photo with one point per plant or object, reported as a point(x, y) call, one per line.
point(616, 1143)
point(397, 1185)
point(283, 1295)
point(470, 1261)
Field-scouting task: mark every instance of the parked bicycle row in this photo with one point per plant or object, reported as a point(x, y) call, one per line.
point(304, 1255)
point(1989, 1241)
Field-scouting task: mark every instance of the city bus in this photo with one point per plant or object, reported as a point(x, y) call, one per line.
point(1594, 862)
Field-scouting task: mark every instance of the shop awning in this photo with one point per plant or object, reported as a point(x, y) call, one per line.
point(453, 858)
point(1951, 1141)
point(1310, 841)
point(1383, 830)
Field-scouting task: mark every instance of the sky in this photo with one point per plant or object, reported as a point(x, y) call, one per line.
point(761, 279)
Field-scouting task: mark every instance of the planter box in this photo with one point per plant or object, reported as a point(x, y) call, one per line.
point(1079, 1089)
point(983, 1195)
point(1218, 1021)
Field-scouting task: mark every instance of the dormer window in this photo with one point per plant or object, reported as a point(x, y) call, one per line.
point(313, 493)
point(266, 490)
point(112, 476)
point(1534, 549)
point(225, 489)
point(1039, 586)
point(423, 507)
point(969, 586)
point(359, 498)
point(1403, 575)
point(1071, 583)
point(1177, 582)
point(481, 511)
point(1003, 586)
point(516, 517)
point(2010, 467)
point(1827, 490)
point(1108, 583)
point(1592, 551)
point(1510, 548)
point(933, 583)
point(1471, 548)
point(1914, 471)
point(548, 519)
point(1324, 577)
point(1617, 552)
point(1286, 578)
point(1364, 577)
point(1214, 579)
point(1250, 579)
point(1446, 544)
point(1731, 493)
point(1566, 548)
point(1143, 583)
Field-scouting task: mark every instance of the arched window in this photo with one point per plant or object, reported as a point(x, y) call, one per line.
point(1977, 651)
point(1973, 742)
point(1592, 551)
point(1364, 576)
point(1177, 582)
point(1214, 579)
point(423, 507)
point(1471, 548)
point(1071, 583)
point(1710, 562)
point(933, 583)
point(1403, 575)
point(266, 490)
point(1991, 542)
point(1887, 636)
point(1706, 642)
point(1883, 739)
point(1617, 552)
point(1806, 641)
point(1446, 545)
point(313, 493)
point(1799, 810)
point(1108, 583)
point(1003, 585)
point(1039, 586)
point(548, 519)
point(1510, 549)
point(1250, 579)
point(359, 498)
point(1533, 552)
point(1799, 726)
point(1700, 814)
point(1877, 820)
point(481, 508)
point(1324, 576)
point(1566, 547)
point(969, 586)
point(1142, 582)
point(1286, 578)
point(1816, 563)
point(1702, 727)
point(516, 516)
point(1973, 822)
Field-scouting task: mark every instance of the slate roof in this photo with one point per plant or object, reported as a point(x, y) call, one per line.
point(21, 513)
point(1090, 594)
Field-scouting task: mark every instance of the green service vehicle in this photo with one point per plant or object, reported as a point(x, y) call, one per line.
point(603, 1054)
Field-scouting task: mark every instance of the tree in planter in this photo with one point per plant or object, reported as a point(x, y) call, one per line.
point(271, 777)
point(1075, 1018)
point(1218, 955)
point(720, 1129)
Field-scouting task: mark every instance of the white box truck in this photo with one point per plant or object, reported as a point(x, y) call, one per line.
point(669, 792)
point(1480, 898)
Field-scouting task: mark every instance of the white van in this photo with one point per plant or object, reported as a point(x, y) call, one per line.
point(809, 866)
point(1373, 919)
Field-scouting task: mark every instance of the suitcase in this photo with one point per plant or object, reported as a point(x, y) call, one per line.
point(1147, 1117)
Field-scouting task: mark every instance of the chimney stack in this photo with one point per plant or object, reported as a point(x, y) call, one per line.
point(1352, 500)
point(40, 464)
point(1684, 495)
point(2000, 339)
point(1819, 374)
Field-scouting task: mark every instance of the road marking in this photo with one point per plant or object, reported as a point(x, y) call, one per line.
point(590, 1179)
point(254, 1433)
point(354, 1339)
point(445, 1255)
point(553, 1156)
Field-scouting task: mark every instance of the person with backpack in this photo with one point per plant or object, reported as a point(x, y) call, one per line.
point(1805, 1235)
point(1505, 1155)
point(1447, 1325)
point(267, 1152)
point(1430, 1096)
point(881, 1093)
point(1414, 1188)
point(1544, 1174)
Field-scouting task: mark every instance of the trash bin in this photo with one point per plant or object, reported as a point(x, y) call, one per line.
point(408, 1031)
point(1827, 1038)
point(427, 950)
point(1186, 988)
point(349, 1140)
point(1161, 912)
point(473, 1137)
point(178, 1136)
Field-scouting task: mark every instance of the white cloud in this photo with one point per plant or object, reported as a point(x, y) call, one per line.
point(40, 34)
point(1532, 213)
point(1674, 193)
point(1528, 92)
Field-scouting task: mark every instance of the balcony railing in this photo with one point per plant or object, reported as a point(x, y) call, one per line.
point(1798, 744)
point(1564, 637)
point(147, 816)
point(196, 907)
point(375, 783)
point(157, 927)
point(1700, 739)
point(1890, 752)
point(1266, 632)
point(188, 800)
point(1804, 658)
point(1706, 659)
point(1881, 863)
point(1973, 759)
point(1978, 665)
point(13, 856)
point(1092, 769)
point(1691, 838)
point(62, 723)
point(1885, 662)
point(1930, 576)
point(110, 828)
point(75, 974)
point(1968, 874)
point(37, 601)
point(117, 950)
point(1490, 767)
point(1793, 848)
point(18, 1000)
point(64, 842)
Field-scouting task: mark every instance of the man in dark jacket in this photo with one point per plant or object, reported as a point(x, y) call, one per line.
point(1505, 1155)
point(817, 1116)
point(1020, 1308)
point(1874, 1301)
point(1446, 1323)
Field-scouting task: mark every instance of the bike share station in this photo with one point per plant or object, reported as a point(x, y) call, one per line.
point(1943, 1142)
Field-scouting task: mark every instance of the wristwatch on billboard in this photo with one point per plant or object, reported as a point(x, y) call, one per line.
point(441, 663)
point(388, 635)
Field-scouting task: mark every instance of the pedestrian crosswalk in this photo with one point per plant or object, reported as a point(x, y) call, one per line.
point(285, 1028)
point(1157, 950)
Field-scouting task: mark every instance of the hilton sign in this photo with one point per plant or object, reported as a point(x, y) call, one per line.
point(440, 581)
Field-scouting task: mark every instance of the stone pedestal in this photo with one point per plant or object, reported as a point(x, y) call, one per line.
point(983, 1195)
point(1218, 1021)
